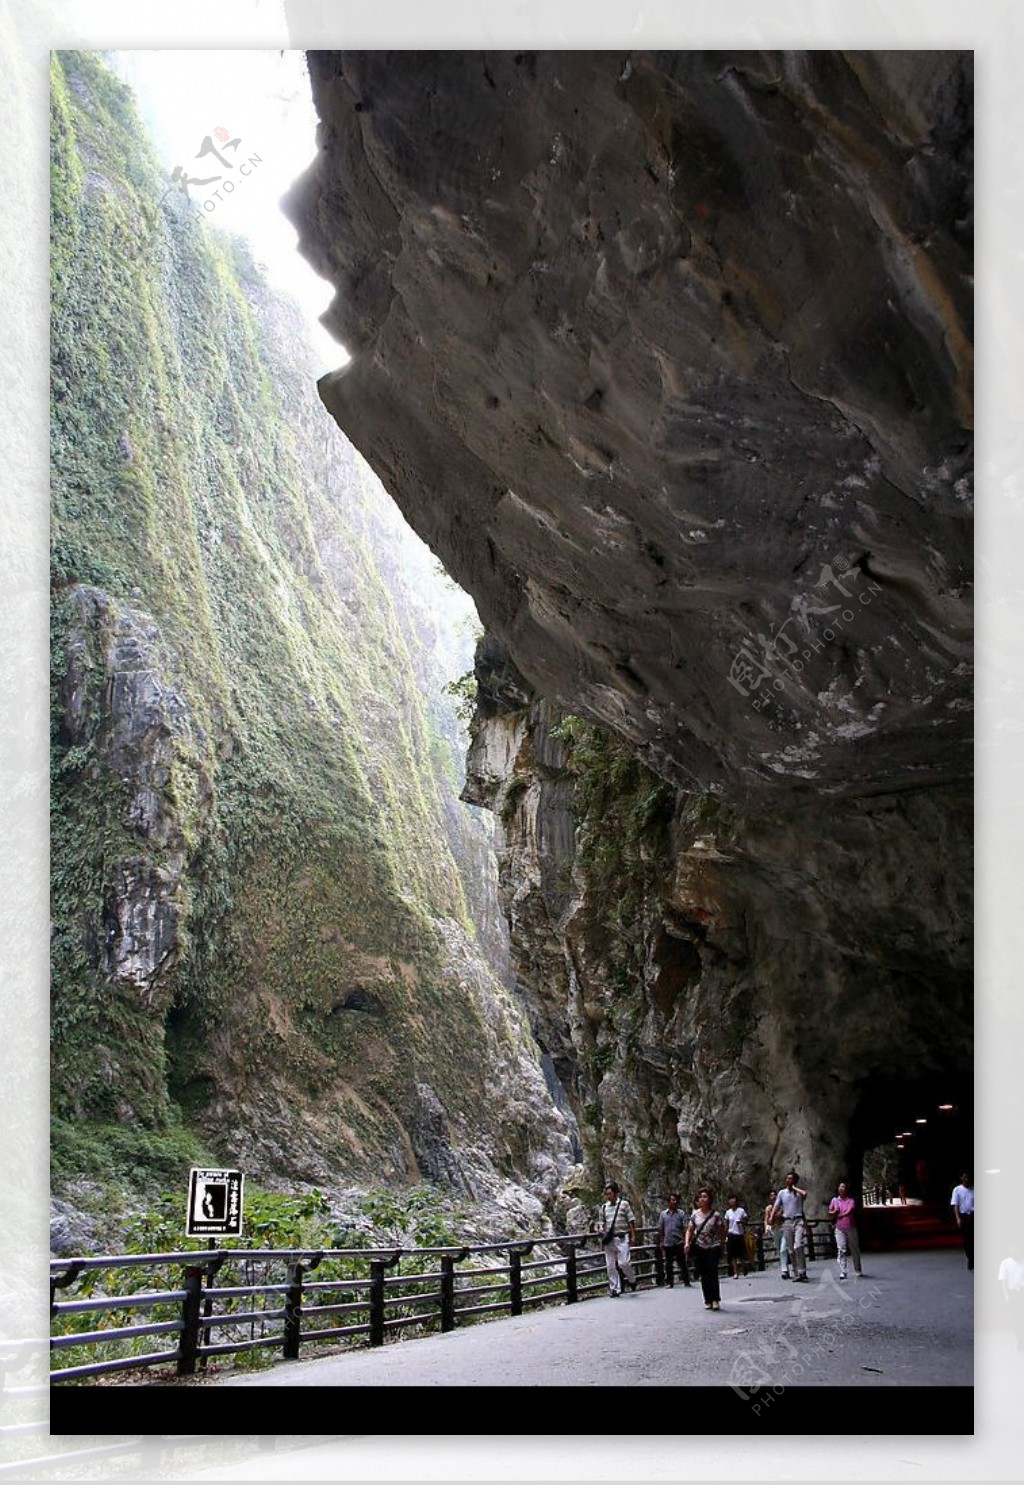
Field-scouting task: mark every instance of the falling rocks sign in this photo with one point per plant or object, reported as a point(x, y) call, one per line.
point(214, 1203)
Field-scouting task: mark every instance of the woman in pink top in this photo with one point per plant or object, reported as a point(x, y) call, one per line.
point(841, 1209)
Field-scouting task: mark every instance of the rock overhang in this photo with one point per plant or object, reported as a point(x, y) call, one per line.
point(667, 357)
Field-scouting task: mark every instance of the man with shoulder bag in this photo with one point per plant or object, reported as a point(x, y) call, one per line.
point(618, 1230)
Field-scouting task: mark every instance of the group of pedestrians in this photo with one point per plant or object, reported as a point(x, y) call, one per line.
point(699, 1237)
point(785, 1218)
point(681, 1238)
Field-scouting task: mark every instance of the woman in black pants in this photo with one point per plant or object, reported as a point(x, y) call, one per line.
point(704, 1237)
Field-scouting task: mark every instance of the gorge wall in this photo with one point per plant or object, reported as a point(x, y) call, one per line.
point(668, 357)
point(265, 888)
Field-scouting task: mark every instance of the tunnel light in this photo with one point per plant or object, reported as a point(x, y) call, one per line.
point(920, 1121)
point(945, 1108)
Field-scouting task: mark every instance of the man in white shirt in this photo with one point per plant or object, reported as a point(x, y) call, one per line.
point(618, 1230)
point(962, 1202)
point(790, 1203)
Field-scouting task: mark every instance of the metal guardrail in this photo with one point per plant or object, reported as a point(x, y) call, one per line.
point(222, 1302)
point(228, 1301)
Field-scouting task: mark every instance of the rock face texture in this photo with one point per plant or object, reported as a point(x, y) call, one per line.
point(726, 993)
point(117, 667)
point(264, 883)
point(668, 357)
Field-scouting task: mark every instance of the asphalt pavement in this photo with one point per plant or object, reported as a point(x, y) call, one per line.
point(908, 1321)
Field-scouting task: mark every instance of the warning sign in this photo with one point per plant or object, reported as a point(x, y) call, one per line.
point(214, 1203)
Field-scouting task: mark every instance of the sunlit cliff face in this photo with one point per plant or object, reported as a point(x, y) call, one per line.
point(668, 357)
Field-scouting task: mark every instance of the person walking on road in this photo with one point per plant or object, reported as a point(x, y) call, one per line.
point(670, 1235)
point(705, 1233)
point(962, 1202)
point(736, 1236)
point(790, 1205)
point(841, 1209)
point(773, 1231)
point(618, 1230)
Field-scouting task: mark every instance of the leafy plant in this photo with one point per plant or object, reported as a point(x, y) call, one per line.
point(413, 1217)
point(464, 691)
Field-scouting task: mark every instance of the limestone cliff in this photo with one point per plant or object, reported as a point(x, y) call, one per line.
point(263, 879)
point(668, 356)
point(724, 993)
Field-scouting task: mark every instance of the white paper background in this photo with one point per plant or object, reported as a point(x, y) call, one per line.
point(994, 29)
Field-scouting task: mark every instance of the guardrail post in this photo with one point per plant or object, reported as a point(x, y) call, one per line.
point(572, 1291)
point(293, 1312)
point(447, 1292)
point(377, 1270)
point(377, 1267)
point(65, 1280)
point(809, 1230)
point(515, 1287)
point(515, 1281)
point(188, 1345)
point(448, 1262)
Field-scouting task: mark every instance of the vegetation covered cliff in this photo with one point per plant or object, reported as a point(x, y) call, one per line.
point(264, 886)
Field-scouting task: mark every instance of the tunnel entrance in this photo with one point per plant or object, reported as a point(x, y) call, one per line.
point(915, 1134)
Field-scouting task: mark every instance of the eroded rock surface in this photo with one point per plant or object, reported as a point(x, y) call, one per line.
point(123, 712)
point(668, 357)
point(725, 994)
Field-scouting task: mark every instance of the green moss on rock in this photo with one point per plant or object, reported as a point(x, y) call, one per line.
point(259, 830)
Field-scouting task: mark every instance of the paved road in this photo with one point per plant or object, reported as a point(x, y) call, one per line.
point(908, 1321)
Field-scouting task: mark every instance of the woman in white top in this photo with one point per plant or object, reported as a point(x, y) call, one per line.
point(736, 1239)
